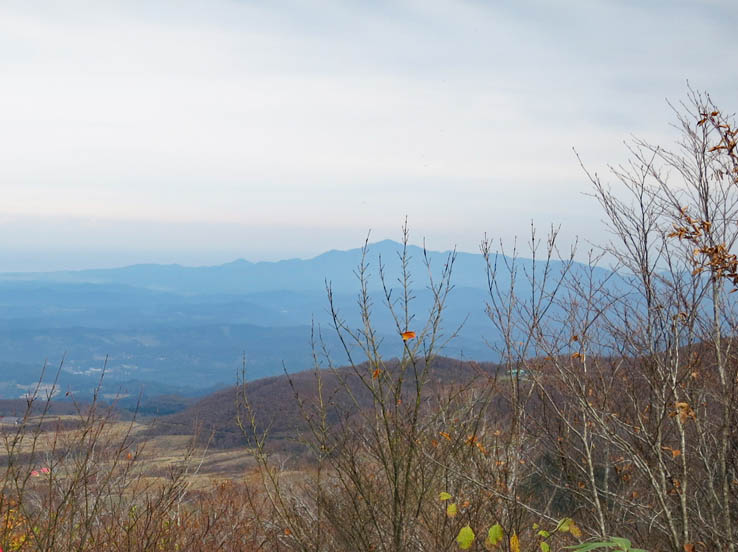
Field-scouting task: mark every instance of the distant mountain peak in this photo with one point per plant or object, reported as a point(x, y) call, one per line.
point(237, 262)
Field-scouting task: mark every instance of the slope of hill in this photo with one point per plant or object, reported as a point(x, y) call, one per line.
point(273, 400)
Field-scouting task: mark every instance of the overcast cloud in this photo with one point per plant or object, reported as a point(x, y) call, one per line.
point(198, 132)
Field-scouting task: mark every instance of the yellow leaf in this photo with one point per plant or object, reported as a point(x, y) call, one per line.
point(451, 510)
point(444, 496)
point(494, 536)
point(465, 538)
point(514, 543)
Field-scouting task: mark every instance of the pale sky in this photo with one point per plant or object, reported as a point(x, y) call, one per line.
point(200, 132)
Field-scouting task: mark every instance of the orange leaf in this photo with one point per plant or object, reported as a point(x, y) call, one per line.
point(376, 373)
point(408, 335)
point(684, 411)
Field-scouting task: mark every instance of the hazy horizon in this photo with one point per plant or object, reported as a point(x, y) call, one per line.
point(217, 259)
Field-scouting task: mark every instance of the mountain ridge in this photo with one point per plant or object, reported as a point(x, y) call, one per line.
point(242, 276)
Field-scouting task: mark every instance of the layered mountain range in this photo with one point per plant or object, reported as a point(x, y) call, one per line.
point(171, 329)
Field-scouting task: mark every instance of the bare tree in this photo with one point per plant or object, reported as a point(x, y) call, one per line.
point(648, 383)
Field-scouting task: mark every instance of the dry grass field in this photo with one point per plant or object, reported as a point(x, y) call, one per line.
point(157, 456)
